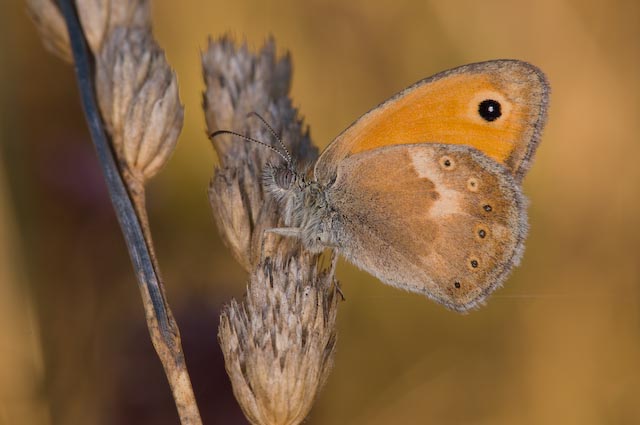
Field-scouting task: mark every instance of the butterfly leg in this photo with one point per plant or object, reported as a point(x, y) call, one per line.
point(294, 232)
point(313, 243)
point(281, 231)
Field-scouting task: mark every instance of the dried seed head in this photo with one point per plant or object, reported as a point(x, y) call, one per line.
point(138, 96)
point(238, 82)
point(50, 24)
point(98, 18)
point(279, 342)
point(278, 345)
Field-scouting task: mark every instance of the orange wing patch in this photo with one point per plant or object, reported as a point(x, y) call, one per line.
point(497, 107)
point(445, 112)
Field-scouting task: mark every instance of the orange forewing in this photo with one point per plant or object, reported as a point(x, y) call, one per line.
point(440, 113)
point(444, 109)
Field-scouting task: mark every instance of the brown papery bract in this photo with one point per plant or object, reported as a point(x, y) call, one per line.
point(98, 18)
point(50, 24)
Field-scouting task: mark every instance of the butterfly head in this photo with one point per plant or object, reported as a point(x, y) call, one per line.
point(303, 200)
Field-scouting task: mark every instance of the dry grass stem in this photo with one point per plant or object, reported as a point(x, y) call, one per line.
point(279, 342)
point(138, 97)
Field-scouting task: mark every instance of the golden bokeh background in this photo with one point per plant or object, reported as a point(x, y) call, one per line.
point(559, 344)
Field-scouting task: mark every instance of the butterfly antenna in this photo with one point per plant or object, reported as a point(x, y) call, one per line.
point(272, 132)
point(249, 139)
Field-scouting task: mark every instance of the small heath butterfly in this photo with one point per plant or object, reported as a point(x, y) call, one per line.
point(424, 191)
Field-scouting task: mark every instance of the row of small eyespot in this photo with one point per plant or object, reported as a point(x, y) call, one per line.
point(473, 185)
point(449, 164)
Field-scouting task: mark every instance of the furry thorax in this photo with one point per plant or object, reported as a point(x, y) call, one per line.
point(308, 214)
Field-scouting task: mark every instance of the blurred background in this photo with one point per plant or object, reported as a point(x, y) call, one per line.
point(559, 344)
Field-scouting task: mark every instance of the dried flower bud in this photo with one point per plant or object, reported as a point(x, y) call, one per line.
point(100, 17)
point(139, 101)
point(50, 24)
point(239, 82)
point(228, 197)
point(278, 345)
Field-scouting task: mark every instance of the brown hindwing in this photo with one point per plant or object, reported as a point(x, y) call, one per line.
point(442, 220)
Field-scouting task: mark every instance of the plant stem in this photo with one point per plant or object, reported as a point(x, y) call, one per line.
point(162, 326)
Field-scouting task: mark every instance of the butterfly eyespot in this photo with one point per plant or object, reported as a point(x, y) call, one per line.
point(456, 284)
point(473, 184)
point(490, 110)
point(473, 263)
point(487, 208)
point(481, 231)
point(447, 163)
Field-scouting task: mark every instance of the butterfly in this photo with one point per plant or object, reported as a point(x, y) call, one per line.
point(424, 190)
